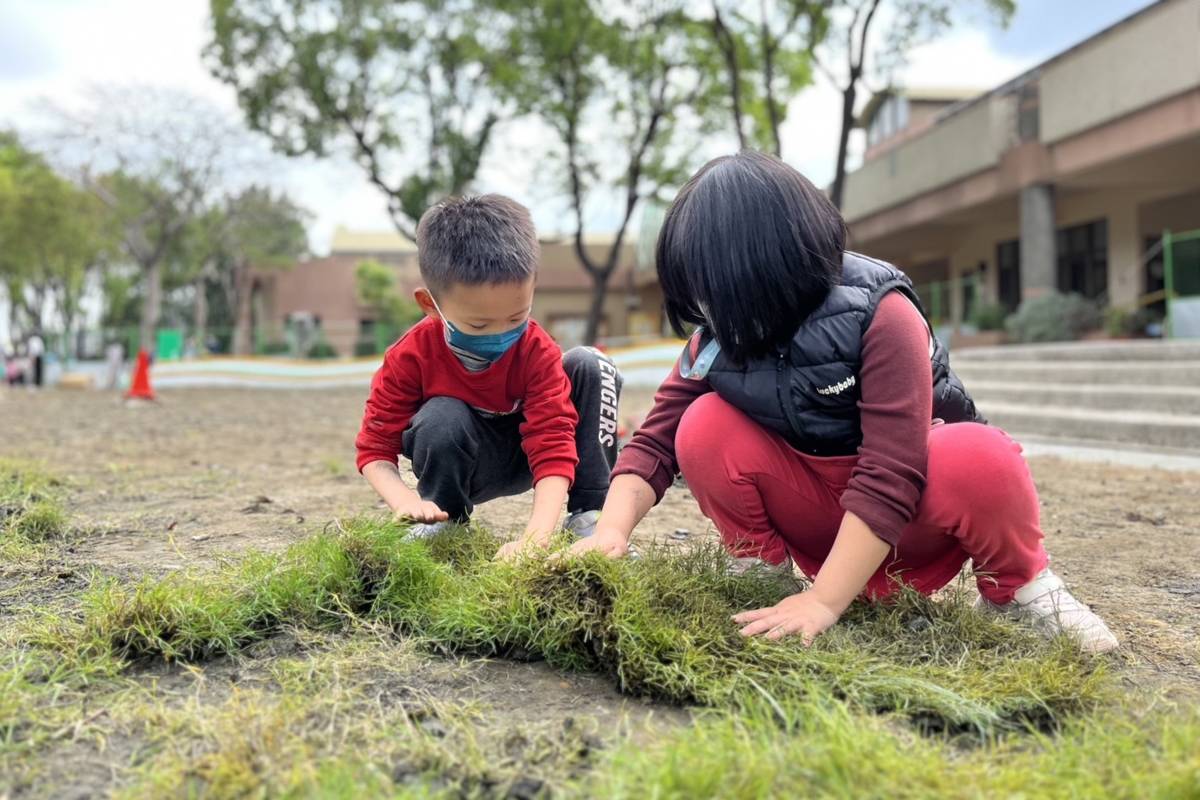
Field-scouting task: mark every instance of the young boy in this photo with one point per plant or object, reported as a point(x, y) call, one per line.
point(478, 396)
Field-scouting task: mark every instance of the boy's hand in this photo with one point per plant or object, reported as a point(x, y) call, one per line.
point(801, 613)
point(510, 550)
point(420, 511)
point(608, 541)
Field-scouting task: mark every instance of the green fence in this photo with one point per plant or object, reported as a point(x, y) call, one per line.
point(1181, 283)
point(938, 299)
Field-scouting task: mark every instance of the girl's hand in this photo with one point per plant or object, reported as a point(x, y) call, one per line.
point(801, 613)
point(609, 541)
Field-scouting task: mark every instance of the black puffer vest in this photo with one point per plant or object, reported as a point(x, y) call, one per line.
point(809, 392)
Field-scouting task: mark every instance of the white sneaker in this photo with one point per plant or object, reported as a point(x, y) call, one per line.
point(1052, 609)
point(424, 530)
point(581, 524)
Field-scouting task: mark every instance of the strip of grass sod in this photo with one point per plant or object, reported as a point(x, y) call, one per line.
point(660, 627)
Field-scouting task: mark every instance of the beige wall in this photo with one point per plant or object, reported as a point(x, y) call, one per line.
point(965, 143)
point(978, 245)
point(1178, 213)
point(1149, 59)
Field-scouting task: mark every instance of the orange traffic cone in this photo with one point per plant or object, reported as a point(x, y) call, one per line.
point(140, 389)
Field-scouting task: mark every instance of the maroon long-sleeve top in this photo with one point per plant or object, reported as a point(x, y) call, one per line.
point(896, 406)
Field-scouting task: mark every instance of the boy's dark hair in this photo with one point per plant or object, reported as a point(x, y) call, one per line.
point(748, 249)
point(476, 240)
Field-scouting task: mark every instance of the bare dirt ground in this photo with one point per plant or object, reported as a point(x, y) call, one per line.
point(206, 472)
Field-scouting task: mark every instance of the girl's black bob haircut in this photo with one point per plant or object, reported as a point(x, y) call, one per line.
point(748, 249)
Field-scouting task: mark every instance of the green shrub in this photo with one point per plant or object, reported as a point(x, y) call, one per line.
point(1124, 322)
point(275, 348)
point(989, 317)
point(322, 349)
point(1054, 317)
point(365, 347)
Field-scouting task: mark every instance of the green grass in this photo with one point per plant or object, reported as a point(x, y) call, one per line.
point(918, 698)
point(816, 746)
point(31, 512)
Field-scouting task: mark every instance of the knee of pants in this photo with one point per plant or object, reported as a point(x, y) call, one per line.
point(977, 466)
point(443, 423)
point(707, 434)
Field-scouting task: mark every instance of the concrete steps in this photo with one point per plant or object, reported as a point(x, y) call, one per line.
point(1149, 350)
point(1130, 427)
point(1102, 396)
point(1133, 373)
point(1117, 394)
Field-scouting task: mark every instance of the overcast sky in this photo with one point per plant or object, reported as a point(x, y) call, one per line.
point(56, 48)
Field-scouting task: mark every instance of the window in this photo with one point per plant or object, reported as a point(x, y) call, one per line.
point(1083, 259)
point(890, 119)
point(1008, 269)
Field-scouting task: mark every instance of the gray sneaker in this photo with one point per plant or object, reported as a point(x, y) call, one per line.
point(424, 530)
point(1052, 609)
point(753, 566)
point(581, 524)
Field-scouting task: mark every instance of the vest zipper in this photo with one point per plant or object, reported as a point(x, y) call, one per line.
point(784, 393)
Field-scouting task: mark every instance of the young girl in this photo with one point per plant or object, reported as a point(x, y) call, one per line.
point(816, 420)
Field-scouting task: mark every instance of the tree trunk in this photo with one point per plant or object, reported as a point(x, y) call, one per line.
point(768, 47)
point(839, 176)
point(596, 311)
point(151, 305)
point(200, 317)
point(728, 47)
point(9, 314)
point(243, 279)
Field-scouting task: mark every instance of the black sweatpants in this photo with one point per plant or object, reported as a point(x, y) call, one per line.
point(462, 458)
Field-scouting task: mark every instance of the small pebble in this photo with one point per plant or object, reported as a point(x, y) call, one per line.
point(680, 533)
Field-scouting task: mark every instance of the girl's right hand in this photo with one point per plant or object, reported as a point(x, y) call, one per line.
point(609, 541)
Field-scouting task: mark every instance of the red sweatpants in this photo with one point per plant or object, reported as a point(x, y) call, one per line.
point(769, 500)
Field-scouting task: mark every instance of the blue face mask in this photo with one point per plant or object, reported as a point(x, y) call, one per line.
point(489, 346)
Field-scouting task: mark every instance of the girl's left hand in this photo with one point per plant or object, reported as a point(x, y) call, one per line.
point(801, 613)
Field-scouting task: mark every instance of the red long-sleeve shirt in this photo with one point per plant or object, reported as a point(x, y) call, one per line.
point(528, 379)
point(895, 407)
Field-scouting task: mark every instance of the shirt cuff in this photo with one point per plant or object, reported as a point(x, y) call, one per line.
point(366, 457)
point(883, 522)
point(648, 468)
point(555, 467)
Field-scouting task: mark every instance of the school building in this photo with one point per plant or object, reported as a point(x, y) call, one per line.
point(321, 293)
point(1065, 178)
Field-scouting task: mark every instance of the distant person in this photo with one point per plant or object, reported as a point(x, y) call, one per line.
point(114, 362)
point(478, 396)
point(817, 422)
point(16, 368)
point(36, 349)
